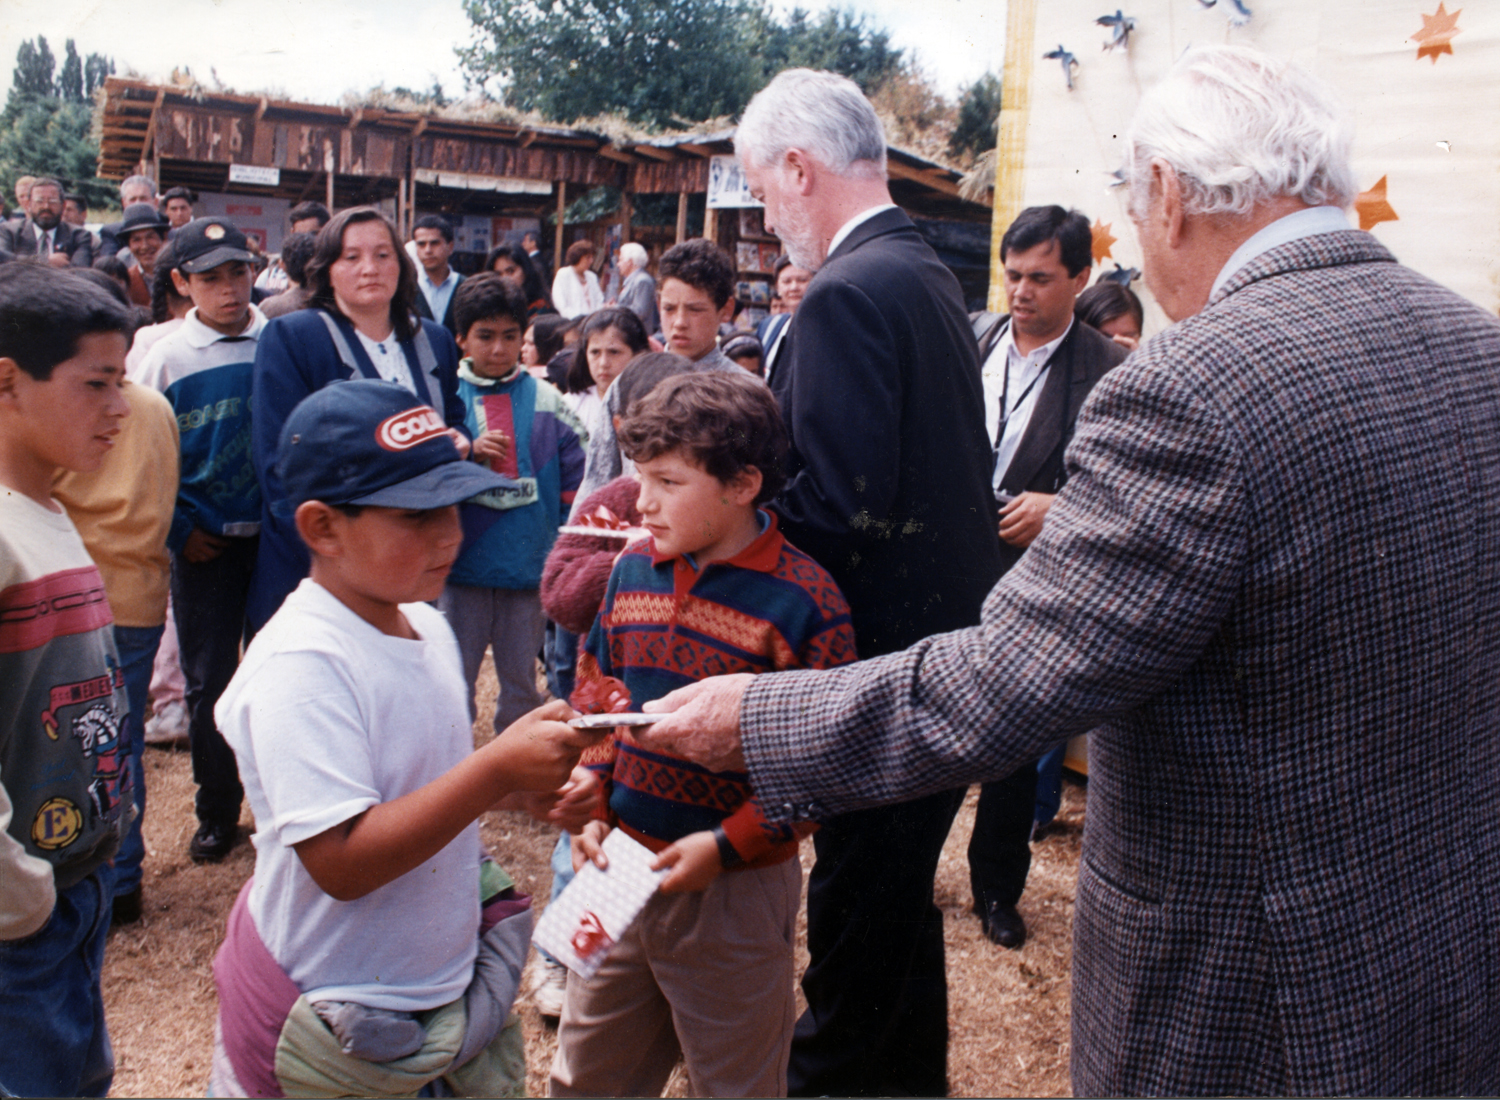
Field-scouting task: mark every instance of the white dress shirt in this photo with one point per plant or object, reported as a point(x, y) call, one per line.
point(855, 222)
point(1028, 376)
point(437, 294)
point(1302, 223)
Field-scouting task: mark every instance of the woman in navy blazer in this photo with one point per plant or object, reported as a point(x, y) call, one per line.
point(359, 323)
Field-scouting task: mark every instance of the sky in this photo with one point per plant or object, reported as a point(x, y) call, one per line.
point(317, 50)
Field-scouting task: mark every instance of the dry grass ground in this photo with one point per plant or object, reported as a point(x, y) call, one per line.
point(1008, 1011)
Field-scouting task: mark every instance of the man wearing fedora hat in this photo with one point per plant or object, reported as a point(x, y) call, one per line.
point(143, 231)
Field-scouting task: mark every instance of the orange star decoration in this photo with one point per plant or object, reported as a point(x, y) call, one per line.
point(1436, 35)
point(1103, 241)
point(1372, 207)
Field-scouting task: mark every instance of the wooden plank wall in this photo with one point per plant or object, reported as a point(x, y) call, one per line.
point(186, 133)
point(669, 177)
point(482, 157)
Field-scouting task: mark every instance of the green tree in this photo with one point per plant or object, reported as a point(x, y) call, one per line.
point(70, 80)
point(95, 68)
point(978, 117)
point(656, 62)
point(33, 72)
point(45, 127)
point(660, 63)
point(838, 40)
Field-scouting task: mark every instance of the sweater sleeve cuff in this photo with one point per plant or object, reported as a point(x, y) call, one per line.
point(182, 527)
point(747, 830)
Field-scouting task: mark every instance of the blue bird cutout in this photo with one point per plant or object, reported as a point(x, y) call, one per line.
point(1238, 17)
point(1122, 275)
point(1123, 24)
point(1069, 63)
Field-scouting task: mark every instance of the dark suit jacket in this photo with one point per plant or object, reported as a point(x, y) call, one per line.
point(889, 472)
point(425, 311)
point(1273, 574)
point(1079, 361)
point(20, 239)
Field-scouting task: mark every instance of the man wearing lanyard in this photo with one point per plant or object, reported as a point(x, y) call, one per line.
point(1038, 366)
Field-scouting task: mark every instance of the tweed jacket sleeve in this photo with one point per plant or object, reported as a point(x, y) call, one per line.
point(1088, 624)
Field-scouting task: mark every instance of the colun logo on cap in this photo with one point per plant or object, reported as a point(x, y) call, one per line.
point(407, 429)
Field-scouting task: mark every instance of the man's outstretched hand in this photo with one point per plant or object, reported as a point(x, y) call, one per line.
point(702, 722)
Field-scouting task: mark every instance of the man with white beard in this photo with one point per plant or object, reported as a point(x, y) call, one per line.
point(889, 490)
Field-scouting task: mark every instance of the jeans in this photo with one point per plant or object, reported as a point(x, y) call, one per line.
point(562, 658)
point(208, 601)
point(1049, 784)
point(137, 648)
point(51, 1009)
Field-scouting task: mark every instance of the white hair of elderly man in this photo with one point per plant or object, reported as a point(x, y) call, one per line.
point(823, 114)
point(634, 254)
point(1240, 129)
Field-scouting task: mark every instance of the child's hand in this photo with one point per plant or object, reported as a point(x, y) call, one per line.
point(202, 547)
point(537, 751)
point(570, 807)
point(694, 861)
point(492, 447)
point(587, 845)
point(460, 441)
point(577, 801)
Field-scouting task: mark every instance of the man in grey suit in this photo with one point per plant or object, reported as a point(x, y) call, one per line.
point(638, 288)
point(1272, 582)
point(44, 235)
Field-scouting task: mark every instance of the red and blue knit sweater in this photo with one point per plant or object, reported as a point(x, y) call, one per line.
point(665, 623)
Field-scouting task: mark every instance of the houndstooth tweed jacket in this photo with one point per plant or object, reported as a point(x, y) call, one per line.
point(1274, 575)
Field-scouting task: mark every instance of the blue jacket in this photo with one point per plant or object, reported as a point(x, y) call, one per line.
point(509, 532)
point(297, 356)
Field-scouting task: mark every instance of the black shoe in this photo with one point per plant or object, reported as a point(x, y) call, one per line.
point(1041, 830)
point(127, 908)
point(1003, 925)
point(211, 843)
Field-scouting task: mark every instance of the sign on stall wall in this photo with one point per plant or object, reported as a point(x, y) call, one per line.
point(258, 216)
point(727, 188)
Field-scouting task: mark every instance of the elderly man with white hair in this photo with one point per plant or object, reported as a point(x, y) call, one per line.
point(889, 490)
point(637, 287)
point(1273, 580)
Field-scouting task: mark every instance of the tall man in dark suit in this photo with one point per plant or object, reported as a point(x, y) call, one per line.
point(889, 489)
point(44, 235)
point(1273, 574)
point(1039, 365)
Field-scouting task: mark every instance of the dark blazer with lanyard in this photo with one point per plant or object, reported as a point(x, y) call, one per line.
point(999, 850)
point(299, 354)
point(1084, 356)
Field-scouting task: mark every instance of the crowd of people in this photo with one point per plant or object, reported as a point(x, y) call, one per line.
point(850, 562)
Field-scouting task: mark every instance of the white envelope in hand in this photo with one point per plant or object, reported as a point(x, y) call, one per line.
point(579, 928)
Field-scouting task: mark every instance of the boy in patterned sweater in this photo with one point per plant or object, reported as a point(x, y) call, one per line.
point(706, 970)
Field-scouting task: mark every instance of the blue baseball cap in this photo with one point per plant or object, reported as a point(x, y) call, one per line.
point(366, 441)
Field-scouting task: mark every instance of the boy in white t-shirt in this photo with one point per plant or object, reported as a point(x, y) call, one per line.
point(366, 956)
